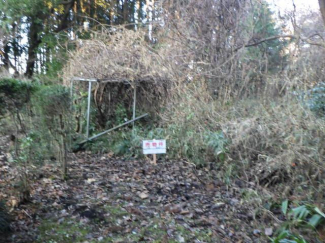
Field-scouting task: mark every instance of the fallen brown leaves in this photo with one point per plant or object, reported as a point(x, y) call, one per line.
point(128, 197)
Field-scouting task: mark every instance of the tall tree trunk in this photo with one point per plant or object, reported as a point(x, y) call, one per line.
point(34, 42)
point(322, 9)
point(119, 12)
point(125, 11)
point(92, 9)
point(5, 58)
point(64, 21)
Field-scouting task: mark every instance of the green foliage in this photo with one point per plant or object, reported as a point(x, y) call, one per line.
point(264, 26)
point(316, 99)
point(53, 101)
point(68, 231)
point(26, 143)
point(287, 237)
point(16, 9)
point(45, 23)
point(23, 161)
point(306, 216)
point(53, 105)
point(284, 207)
point(218, 143)
point(4, 218)
point(14, 94)
point(120, 114)
point(181, 143)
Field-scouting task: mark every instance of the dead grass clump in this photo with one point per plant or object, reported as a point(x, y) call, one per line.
point(278, 143)
point(193, 105)
point(274, 143)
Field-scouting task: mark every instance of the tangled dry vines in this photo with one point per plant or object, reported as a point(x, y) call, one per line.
point(121, 59)
point(118, 55)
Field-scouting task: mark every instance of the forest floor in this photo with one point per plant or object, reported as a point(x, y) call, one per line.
point(109, 199)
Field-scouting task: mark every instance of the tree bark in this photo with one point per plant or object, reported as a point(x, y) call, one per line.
point(34, 42)
point(64, 24)
point(5, 56)
point(125, 11)
point(322, 9)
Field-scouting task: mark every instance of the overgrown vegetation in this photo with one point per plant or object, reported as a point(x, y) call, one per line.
point(5, 219)
point(303, 218)
point(36, 113)
point(251, 126)
point(71, 230)
point(54, 103)
point(229, 90)
point(316, 99)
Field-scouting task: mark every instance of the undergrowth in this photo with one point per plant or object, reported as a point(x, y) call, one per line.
point(66, 230)
point(274, 144)
point(5, 218)
point(181, 143)
point(300, 219)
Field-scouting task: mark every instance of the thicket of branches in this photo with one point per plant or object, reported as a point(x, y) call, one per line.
point(121, 60)
point(190, 41)
point(228, 87)
point(221, 40)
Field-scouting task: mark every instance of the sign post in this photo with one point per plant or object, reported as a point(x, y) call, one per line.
point(154, 147)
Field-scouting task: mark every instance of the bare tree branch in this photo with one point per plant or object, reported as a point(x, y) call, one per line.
point(270, 39)
point(304, 39)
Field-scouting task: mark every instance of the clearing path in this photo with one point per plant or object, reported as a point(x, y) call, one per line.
point(115, 200)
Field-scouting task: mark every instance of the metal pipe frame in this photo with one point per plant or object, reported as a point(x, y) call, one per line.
point(112, 129)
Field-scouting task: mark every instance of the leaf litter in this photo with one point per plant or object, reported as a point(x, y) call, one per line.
point(116, 200)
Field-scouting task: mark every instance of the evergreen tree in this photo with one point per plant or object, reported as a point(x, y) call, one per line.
point(270, 54)
point(46, 22)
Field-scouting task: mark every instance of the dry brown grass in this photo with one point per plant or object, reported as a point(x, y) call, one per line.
point(121, 59)
point(117, 55)
point(273, 140)
point(279, 143)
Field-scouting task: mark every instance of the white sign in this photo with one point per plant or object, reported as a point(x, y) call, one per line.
point(154, 146)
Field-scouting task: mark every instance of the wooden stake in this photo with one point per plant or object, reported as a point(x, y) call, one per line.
point(154, 159)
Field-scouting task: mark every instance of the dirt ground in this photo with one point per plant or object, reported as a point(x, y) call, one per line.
point(109, 199)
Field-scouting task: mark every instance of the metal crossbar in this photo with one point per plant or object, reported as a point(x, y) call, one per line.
point(90, 81)
point(112, 129)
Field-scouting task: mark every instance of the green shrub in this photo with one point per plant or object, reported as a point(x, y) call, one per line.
point(53, 104)
point(181, 143)
point(316, 99)
point(218, 143)
point(14, 94)
point(53, 101)
point(288, 237)
point(305, 216)
point(120, 114)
